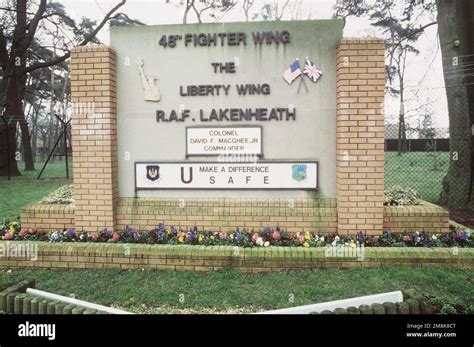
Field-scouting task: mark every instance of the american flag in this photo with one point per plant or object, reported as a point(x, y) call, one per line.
point(311, 70)
point(293, 72)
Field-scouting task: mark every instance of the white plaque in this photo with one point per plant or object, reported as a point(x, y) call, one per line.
point(215, 175)
point(223, 140)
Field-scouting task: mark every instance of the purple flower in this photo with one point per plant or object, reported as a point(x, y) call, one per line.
point(161, 227)
point(423, 234)
point(266, 230)
point(361, 237)
point(107, 233)
point(189, 236)
point(136, 235)
point(195, 228)
point(71, 233)
point(160, 235)
point(238, 235)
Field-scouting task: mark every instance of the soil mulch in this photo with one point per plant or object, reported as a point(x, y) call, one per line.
point(464, 216)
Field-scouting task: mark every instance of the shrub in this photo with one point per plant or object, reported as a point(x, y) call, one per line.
point(401, 196)
point(62, 195)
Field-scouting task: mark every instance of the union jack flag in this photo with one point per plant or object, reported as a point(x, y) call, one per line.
point(310, 70)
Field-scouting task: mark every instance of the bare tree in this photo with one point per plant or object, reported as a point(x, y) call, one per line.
point(273, 10)
point(18, 31)
point(345, 9)
point(246, 6)
point(212, 7)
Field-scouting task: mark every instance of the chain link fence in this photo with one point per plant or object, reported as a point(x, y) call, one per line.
point(420, 157)
point(51, 151)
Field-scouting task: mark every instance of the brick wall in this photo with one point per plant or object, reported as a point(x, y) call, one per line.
point(433, 218)
point(47, 217)
point(94, 137)
point(212, 258)
point(360, 135)
point(307, 214)
point(294, 215)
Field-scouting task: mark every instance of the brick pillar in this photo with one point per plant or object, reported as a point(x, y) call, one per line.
point(94, 137)
point(360, 135)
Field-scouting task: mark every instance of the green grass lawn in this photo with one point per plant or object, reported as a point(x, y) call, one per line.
point(417, 170)
point(26, 189)
point(231, 291)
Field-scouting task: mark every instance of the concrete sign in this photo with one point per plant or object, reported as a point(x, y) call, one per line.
point(271, 84)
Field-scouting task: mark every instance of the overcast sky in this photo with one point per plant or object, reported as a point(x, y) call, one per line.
point(424, 71)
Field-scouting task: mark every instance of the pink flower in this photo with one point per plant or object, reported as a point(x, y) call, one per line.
point(138, 230)
point(276, 235)
point(301, 238)
point(116, 237)
point(8, 236)
point(254, 237)
point(223, 235)
point(33, 230)
point(94, 237)
point(23, 232)
point(406, 238)
point(180, 234)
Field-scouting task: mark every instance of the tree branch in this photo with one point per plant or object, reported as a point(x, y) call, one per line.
point(83, 43)
point(413, 33)
point(104, 20)
point(34, 25)
point(285, 5)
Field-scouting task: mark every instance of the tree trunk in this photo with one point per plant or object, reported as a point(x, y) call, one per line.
point(186, 10)
point(455, 29)
point(26, 142)
point(13, 113)
point(51, 137)
point(15, 82)
point(34, 130)
point(402, 134)
point(8, 156)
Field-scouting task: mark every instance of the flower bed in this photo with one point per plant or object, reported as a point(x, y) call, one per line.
point(455, 237)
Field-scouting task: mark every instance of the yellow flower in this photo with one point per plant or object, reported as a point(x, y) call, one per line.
point(212, 237)
point(181, 238)
point(353, 245)
point(306, 244)
point(200, 238)
point(12, 229)
point(307, 235)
